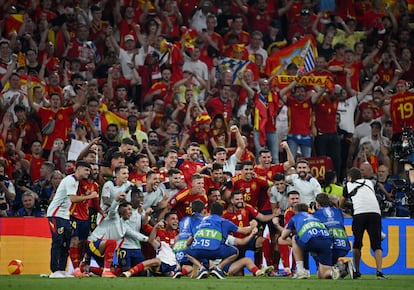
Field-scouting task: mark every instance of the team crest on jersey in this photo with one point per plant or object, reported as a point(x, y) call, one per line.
point(305, 105)
point(254, 185)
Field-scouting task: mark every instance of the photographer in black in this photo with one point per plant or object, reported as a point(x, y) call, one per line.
point(366, 217)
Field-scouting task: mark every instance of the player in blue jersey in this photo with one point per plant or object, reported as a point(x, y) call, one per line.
point(311, 236)
point(188, 227)
point(333, 219)
point(209, 242)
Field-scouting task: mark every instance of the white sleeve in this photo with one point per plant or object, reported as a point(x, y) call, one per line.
point(106, 189)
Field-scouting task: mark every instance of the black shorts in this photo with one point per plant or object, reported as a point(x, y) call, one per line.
point(371, 222)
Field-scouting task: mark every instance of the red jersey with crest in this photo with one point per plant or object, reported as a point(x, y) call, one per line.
point(299, 116)
point(241, 217)
point(134, 177)
point(270, 172)
point(188, 168)
point(181, 202)
point(167, 236)
point(80, 210)
point(254, 191)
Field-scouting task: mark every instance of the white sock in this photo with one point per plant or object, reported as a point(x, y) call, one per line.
point(299, 266)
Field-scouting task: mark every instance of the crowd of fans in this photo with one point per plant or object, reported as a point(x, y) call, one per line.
point(146, 75)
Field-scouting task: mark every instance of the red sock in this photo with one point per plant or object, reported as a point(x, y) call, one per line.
point(255, 269)
point(267, 252)
point(110, 246)
point(284, 255)
point(117, 271)
point(96, 270)
point(137, 269)
point(74, 256)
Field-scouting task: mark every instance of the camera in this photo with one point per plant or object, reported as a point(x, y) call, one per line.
point(404, 198)
point(403, 147)
point(348, 207)
point(25, 180)
point(3, 206)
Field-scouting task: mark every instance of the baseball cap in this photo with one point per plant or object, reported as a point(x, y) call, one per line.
point(128, 37)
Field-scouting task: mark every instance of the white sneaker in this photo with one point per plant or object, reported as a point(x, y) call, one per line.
point(265, 270)
point(307, 273)
point(126, 274)
point(57, 274)
point(67, 275)
point(335, 273)
point(300, 275)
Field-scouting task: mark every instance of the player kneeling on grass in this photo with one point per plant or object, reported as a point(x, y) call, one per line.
point(235, 267)
point(104, 240)
point(164, 263)
point(210, 242)
point(333, 219)
point(311, 236)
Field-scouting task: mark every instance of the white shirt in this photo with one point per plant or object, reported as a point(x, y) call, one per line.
point(59, 206)
point(308, 188)
point(135, 222)
point(8, 96)
point(279, 197)
point(375, 143)
point(125, 57)
point(198, 66)
point(260, 51)
point(115, 228)
point(165, 253)
point(154, 197)
point(364, 201)
point(346, 110)
point(363, 130)
point(111, 190)
point(230, 164)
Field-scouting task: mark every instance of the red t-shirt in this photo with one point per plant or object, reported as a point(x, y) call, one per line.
point(325, 113)
point(35, 164)
point(216, 106)
point(299, 116)
point(63, 124)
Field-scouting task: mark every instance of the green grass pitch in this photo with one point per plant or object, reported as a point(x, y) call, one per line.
point(367, 282)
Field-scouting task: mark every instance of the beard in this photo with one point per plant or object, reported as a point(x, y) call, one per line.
point(239, 205)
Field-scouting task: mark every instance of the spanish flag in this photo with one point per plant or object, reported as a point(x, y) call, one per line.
point(264, 106)
point(115, 118)
point(23, 83)
point(13, 23)
point(302, 53)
